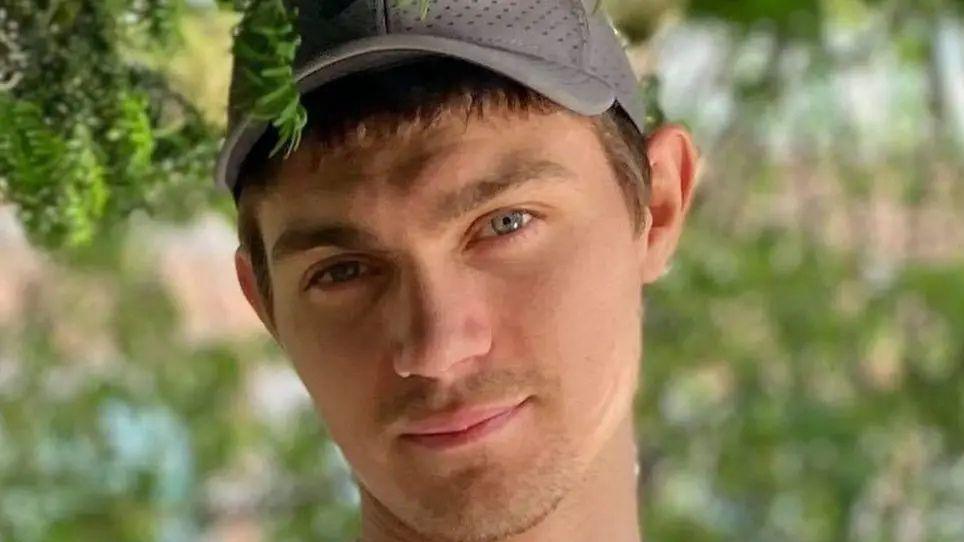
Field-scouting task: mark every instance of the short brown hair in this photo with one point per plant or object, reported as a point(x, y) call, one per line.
point(397, 100)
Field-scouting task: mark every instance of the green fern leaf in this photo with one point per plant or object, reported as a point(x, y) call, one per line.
point(264, 50)
point(59, 186)
point(85, 189)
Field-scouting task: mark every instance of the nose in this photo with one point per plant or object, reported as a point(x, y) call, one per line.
point(440, 327)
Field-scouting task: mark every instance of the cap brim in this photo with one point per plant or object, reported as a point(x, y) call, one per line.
point(568, 86)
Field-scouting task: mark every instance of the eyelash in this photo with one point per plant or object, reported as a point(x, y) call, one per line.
point(512, 237)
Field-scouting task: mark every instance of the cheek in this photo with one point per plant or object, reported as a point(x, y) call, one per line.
point(335, 373)
point(581, 320)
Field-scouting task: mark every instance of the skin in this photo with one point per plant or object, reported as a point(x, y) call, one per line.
point(474, 313)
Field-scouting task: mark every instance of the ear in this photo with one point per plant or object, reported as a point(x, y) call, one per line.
point(249, 286)
point(673, 161)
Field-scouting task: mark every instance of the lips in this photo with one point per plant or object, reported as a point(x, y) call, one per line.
point(458, 420)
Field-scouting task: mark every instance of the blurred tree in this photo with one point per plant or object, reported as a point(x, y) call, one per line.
point(86, 136)
point(791, 392)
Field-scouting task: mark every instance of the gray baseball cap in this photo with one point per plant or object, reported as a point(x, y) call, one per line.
point(566, 50)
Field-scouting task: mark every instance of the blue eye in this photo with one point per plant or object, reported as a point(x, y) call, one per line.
point(510, 222)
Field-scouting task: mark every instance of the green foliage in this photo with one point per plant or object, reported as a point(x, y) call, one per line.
point(790, 391)
point(82, 135)
point(264, 49)
point(649, 89)
point(932, 7)
point(769, 411)
point(794, 19)
point(63, 212)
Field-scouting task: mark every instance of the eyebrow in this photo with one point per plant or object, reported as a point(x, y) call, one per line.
point(513, 173)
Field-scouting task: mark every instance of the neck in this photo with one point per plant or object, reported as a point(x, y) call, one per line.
point(604, 506)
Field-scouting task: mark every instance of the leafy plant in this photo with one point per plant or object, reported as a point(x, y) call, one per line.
point(86, 137)
point(264, 51)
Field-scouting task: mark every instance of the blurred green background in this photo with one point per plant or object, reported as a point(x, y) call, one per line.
point(803, 377)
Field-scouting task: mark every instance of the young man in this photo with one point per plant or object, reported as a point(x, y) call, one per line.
point(454, 260)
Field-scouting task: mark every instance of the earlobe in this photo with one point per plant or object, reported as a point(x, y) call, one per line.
point(673, 159)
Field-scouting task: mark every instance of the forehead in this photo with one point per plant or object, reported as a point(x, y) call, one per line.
point(399, 162)
point(418, 169)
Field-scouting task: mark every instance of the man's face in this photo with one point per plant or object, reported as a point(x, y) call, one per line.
point(535, 294)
